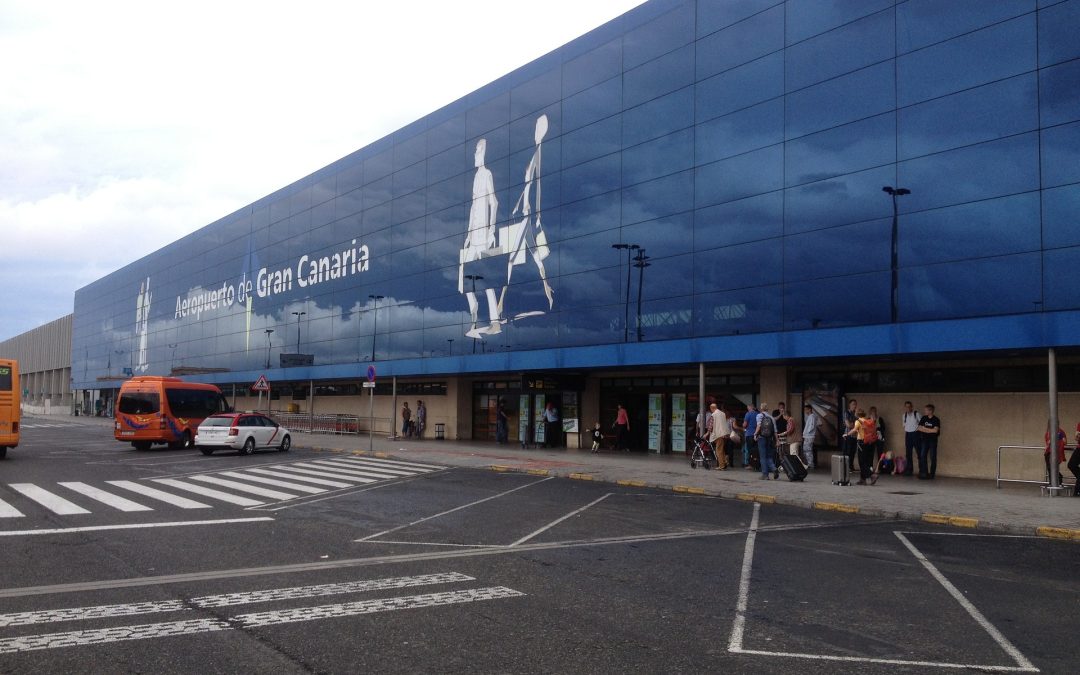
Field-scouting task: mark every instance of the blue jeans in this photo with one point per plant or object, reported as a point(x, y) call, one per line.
point(911, 447)
point(765, 452)
point(746, 449)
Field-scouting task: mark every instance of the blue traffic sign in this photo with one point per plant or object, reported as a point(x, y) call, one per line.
point(371, 373)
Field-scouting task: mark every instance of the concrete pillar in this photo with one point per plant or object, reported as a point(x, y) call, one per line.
point(774, 386)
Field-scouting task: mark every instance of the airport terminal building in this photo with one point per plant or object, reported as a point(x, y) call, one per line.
point(687, 198)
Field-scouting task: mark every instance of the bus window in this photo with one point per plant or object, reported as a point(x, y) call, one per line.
point(139, 403)
point(194, 403)
point(5, 378)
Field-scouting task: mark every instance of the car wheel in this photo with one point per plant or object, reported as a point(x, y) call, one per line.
point(3, 452)
point(249, 447)
point(141, 446)
point(206, 451)
point(286, 443)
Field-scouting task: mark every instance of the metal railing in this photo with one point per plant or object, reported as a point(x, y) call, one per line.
point(329, 424)
point(1001, 480)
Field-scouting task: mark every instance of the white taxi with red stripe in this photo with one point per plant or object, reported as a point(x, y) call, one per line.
point(246, 432)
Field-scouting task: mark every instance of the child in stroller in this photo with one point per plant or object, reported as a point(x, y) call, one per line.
point(703, 454)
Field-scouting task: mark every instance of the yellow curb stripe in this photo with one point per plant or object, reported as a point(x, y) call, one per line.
point(360, 453)
point(382, 455)
point(499, 468)
point(1058, 533)
point(538, 472)
point(836, 506)
point(751, 497)
point(955, 521)
point(684, 489)
point(631, 483)
point(581, 476)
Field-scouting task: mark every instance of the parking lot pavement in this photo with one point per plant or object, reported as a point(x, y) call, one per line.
point(465, 570)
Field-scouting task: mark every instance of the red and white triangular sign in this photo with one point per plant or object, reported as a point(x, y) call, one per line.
point(261, 384)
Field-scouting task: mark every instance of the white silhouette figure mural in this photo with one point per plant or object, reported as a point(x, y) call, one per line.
point(142, 323)
point(522, 239)
point(480, 241)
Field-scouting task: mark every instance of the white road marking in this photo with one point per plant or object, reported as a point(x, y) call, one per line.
point(74, 638)
point(559, 520)
point(85, 613)
point(278, 483)
point(378, 474)
point(896, 662)
point(1002, 641)
point(359, 466)
point(54, 503)
point(254, 620)
point(739, 625)
point(132, 526)
point(293, 476)
point(453, 510)
point(154, 493)
point(106, 498)
point(323, 590)
point(344, 473)
point(207, 492)
point(407, 465)
point(242, 487)
point(326, 474)
point(9, 511)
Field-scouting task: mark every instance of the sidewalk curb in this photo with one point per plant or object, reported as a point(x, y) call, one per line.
point(957, 521)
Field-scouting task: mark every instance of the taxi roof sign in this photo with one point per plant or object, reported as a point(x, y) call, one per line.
point(261, 384)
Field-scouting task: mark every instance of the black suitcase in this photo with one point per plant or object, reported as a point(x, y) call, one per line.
point(792, 466)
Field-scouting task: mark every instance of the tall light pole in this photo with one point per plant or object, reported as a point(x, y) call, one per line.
point(172, 361)
point(268, 345)
point(626, 302)
point(473, 278)
point(298, 315)
point(641, 261)
point(450, 348)
point(375, 327)
point(894, 193)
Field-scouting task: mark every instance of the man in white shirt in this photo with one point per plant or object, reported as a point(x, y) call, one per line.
point(721, 430)
point(810, 422)
point(911, 436)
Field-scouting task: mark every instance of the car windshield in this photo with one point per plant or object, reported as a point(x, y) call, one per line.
point(217, 422)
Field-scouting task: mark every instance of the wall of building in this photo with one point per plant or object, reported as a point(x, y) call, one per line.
point(44, 356)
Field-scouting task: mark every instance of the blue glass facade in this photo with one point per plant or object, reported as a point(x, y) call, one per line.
point(743, 144)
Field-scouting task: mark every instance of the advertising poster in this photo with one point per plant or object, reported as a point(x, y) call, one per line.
point(538, 415)
point(678, 422)
point(523, 419)
point(656, 423)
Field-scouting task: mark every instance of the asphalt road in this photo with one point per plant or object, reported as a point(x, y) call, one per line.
point(393, 567)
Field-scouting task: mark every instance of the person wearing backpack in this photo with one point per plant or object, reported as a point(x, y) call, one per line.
point(765, 435)
point(866, 434)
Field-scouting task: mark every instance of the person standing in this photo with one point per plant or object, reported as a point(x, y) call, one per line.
point(421, 419)
point(1059, 453)
point(911, 437)
point(809, 433)
point(1074, 463)
point(929, 432)
point(502, 424)
point(551, 426)
point(866, 437)
point(765, 435)
point(406, 417)
point(721, 430)
point(749, 431)
point(622, 429)
point(879, 447)
point(849, 438)
point(793, 436)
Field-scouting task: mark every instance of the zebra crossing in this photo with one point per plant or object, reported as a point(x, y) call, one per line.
point(246, 487)
point(50, 425)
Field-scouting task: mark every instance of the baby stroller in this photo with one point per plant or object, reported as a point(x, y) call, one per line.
point(703, 454)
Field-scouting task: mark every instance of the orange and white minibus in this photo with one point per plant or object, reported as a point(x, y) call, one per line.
point(154, 409)
point(10, 412)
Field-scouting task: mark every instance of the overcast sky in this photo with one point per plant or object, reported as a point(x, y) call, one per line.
point(126, 125)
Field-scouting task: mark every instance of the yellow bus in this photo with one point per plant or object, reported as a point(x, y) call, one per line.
point(9, 405)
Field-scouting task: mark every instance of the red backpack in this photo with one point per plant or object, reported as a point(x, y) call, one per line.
point(870, 434)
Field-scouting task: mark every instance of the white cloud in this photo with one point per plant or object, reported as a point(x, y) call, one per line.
point(125, 125)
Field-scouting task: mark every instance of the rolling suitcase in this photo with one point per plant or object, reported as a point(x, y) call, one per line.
point(792, 466)
point(840, 470)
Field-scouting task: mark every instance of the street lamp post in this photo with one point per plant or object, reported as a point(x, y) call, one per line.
point(450, 348)
point(298, 315)
point(895, 264)
point(626, 302)
point(641, 261)
point(172, 361)
point(474, 278)
point(375, 326)
point(268, 345)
